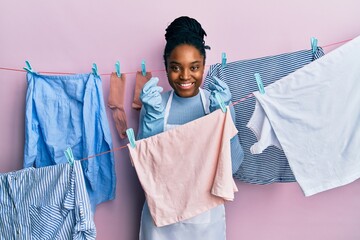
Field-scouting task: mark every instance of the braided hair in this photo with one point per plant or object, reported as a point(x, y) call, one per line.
point(184, 30)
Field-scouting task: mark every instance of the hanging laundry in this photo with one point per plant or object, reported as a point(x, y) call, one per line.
point(68, 111)
point(171, 112)
point(154, 120)
point(49, 203)
point(314, 114)
point(116, 102)
point(140, 80)
point(271, 165)
point(195, 186)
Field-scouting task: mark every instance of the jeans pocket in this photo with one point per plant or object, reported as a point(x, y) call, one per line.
point(45, 221)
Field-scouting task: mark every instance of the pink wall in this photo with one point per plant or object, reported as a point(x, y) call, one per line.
point(68, 36)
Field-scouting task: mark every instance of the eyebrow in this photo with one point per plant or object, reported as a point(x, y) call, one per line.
point(174, 62)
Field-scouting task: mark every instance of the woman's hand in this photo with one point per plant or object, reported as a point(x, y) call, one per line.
point(151, 98)
point(220, 87)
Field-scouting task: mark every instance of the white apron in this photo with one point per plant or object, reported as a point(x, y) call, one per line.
point(209, 225)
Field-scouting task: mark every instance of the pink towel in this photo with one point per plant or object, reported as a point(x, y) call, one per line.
point(187, 170)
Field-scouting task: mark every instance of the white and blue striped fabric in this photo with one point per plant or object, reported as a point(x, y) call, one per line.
point(271, 165)
point(45, 203)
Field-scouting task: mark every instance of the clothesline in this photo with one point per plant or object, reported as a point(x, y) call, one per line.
point(124, 146)
point(332, 44)
point(159, 70)
point(234, 103)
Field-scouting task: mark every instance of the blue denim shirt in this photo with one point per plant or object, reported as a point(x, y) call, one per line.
point(68, 111)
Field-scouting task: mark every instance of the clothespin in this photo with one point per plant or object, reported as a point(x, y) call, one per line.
point(259, 83)
point(95, 70)
point(223, 59)
point(69, 156)
point(131, 136)
point(220, 101)
point(314, 43)
point(28, 67)
point(143, 67)
point(117, 68)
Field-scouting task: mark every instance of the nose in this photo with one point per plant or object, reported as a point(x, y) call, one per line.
point(185, 74)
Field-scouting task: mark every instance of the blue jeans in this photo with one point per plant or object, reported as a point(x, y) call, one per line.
point(68, 111)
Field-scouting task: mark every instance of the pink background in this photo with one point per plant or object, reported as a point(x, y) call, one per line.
point(68, 36)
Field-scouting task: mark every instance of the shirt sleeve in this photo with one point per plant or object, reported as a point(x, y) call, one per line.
point(31, 126)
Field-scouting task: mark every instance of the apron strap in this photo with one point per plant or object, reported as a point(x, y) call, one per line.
point(167, 108)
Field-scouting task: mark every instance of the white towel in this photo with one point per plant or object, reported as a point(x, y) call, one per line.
point(314, 113)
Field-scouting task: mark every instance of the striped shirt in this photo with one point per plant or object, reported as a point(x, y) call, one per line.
point(45, 203)
point(271, 165)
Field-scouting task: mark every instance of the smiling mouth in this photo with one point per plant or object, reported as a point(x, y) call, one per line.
point(185, 85)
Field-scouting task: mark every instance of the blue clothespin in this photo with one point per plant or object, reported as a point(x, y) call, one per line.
point(131, 136)
point(69, 156)
point(314, 43)
point(223, 59)
point(143, 67)
point(117, 68)
point(95, 70)
point(28, 67)
point(259, 83)
point(220, 101)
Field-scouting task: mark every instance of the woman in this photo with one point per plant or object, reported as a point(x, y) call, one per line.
point(184, 58)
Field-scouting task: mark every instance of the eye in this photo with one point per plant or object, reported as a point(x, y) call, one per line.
point(194, 68)
point(175, 68)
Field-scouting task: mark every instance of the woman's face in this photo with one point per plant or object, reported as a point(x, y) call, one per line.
point(185, 69)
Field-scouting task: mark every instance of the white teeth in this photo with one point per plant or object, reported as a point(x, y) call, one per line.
point(185, 84)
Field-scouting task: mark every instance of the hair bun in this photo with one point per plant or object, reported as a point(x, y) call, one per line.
point(184, 30)
point(185, 26)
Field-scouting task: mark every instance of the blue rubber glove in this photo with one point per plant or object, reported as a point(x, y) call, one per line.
point(151, 98)
point(220, 87)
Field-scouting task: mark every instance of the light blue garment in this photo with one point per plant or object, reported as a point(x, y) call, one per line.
point(210, 225)
point(68, 111)
point(49, 203)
